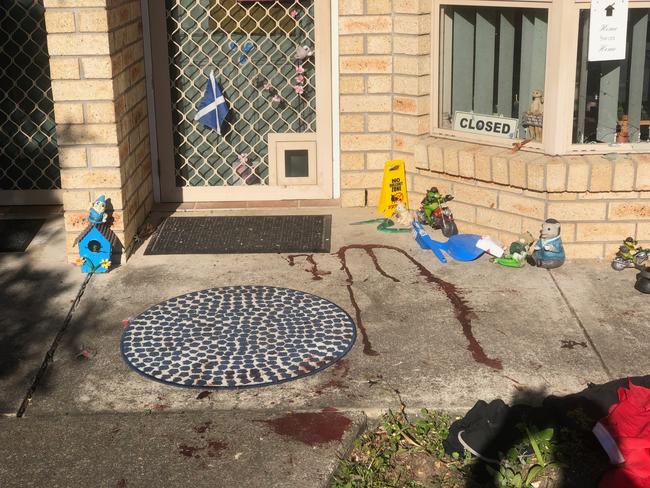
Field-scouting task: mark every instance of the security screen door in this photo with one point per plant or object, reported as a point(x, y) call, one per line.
point(271, 60)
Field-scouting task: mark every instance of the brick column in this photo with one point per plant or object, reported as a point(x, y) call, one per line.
point(98, 86)
point(366, 67)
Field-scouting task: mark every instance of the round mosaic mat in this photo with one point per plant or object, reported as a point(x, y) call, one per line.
point(238, 336)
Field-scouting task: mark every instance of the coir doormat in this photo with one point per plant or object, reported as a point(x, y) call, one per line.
point(16, 235)
point(237, 336)
point(242, 235)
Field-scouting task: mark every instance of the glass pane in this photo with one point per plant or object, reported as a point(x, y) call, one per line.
point(493, 66)
point(612, 100)
point(296, 163)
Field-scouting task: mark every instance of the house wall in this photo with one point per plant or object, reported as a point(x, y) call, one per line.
point(385, 77)
point(98, 86)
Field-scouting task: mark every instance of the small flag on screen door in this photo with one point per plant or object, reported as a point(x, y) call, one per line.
point(212, 108)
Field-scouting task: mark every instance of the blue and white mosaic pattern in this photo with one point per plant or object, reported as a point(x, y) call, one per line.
point(237, 336)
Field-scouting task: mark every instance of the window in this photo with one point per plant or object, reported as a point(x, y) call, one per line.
point(612, 102)
point(492, 72)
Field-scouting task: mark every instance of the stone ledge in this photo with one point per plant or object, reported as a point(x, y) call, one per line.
point(533, 171)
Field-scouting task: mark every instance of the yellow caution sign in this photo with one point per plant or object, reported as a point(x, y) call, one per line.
point(393, 188)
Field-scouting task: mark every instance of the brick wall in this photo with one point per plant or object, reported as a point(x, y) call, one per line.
point(98, 86)
point(385, 104)
point(600, 200)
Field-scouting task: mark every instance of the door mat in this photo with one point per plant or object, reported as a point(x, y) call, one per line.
point(237, 336)
point(242, 235)
point(16, 235)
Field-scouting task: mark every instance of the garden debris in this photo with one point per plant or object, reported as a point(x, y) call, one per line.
point(86, 353)
point(385, 225)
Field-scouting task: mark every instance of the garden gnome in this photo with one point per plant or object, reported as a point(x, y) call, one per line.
point(97, 213)
point(548, 251)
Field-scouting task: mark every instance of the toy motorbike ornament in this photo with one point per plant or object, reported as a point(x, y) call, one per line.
point(630, 255)
point(435, 213)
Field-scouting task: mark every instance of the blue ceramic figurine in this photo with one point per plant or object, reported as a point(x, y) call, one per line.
point(97, 213)
point(548, 251)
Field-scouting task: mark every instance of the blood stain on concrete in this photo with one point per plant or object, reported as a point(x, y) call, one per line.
point(317, 275)
point(572, 344)
point(201, 429)
point(312, 428)
point(464, 314)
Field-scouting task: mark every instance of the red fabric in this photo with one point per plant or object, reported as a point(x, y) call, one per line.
point(629, 424)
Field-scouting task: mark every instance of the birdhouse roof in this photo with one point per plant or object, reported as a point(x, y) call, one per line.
point(103, 229)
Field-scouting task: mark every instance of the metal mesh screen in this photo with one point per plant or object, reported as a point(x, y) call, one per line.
point(28, 152)
point(251, 47)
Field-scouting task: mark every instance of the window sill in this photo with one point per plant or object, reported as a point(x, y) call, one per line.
point(537, 147)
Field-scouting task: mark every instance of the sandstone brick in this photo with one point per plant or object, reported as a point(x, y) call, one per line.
point(365, 142)
point(76, 200)
point(97, 67)
point(517, 172)
point(68, 113)
point(377, 7)
point(583, 251)
point(379, 122)
point(351, 7)
point(475, 195)
point(377, 160)
point(578, 179)
point(498, 220)
point(77, 44)
point(57, 21)
point(556, 176)
point(76, 90)
point(86, 134)
point(421, 156)
point(352, 161)
point(577, 211)
point(601, 176)
point(643, 231)
point(72, 157)
point(525, 206)
point(536, 178)
point(483, 165)
point(64, 68)
point(365, 179)
point(422, 183)
point(500, 169)
point(98, 178)
point(436, 158)
point(623, 175)
point(352, 84)
point(412, 45)
point(564, 196)
point(379, 44)
point(410, 105)
point(642, 175)
point(365, 103)
point(92, 21)
point(466, 162)
point(375, 24)
point(473, 228)
point(404, 143)
point(639, 210)
point(604, 231)
point(352, 123)
point(104, 156)
point(411, 24)
point(100, 112)
point(379, 84)
point(450, 155)
point(351, 45)
point(463, 211)
point(411, 65)
point(75, 221)
point(366, 64)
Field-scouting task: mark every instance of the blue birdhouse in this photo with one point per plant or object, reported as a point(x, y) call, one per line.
point(95, 248)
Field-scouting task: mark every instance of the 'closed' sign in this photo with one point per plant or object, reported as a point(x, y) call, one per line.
point(486, 124)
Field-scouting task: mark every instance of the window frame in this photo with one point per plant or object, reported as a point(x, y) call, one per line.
point(559, 80)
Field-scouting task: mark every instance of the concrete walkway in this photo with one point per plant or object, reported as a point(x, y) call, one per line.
point(444, 337)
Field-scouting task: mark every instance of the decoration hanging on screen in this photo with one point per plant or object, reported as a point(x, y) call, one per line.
point(533, 120)
point(607, 30)
point(212, 109)
point(246, 48)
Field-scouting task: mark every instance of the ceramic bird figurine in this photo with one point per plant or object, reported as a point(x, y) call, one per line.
point(302, 53)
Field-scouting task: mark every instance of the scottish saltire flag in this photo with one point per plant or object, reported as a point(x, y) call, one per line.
point(212, 108)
